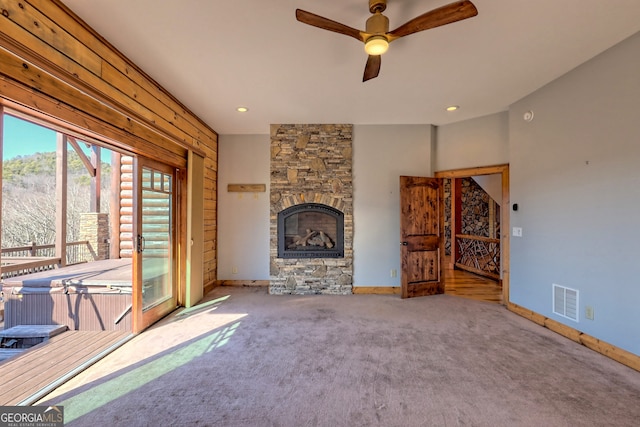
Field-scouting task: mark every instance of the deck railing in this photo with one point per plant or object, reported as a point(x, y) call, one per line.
point(30, 250)
point(479, 255)
point(80, 251)
point(35, 258)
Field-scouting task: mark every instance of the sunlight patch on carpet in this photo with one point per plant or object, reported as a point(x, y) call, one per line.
point(100, 395)
point(213, 304)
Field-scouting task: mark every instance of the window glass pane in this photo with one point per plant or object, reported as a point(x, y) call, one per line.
point(167, 183)
point(147, 178)
point(157, 181)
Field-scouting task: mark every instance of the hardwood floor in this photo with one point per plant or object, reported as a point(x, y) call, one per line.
point(468, 285)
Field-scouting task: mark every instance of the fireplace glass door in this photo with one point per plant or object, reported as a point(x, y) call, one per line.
point(310, 230)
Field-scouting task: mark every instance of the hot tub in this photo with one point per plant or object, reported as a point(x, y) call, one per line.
point(94, 296)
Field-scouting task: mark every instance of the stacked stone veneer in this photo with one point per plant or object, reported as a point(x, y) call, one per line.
point(480, 214)
point(478, 210)
point(311, 164)
point(446, 182)
point(94, 228)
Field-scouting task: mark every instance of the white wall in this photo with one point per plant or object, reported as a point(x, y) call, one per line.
point(243, 218)
point(492, 185)
point(483, 141)
point(575, 175)
point(381, 154)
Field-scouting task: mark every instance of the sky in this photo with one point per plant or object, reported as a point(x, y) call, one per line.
point(22, 138)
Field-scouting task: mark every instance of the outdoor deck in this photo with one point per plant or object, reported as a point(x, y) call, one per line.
point(33, 373)
point(88, 296)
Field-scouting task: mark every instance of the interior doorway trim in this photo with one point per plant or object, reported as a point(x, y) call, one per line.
point(505, 204)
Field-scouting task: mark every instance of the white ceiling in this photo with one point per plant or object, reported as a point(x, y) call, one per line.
point(216, 55)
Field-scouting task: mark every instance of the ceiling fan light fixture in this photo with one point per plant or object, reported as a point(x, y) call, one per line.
point(377, 36)
point(376, 45)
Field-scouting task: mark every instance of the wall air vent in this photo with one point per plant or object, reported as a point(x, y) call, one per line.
point(565, 302)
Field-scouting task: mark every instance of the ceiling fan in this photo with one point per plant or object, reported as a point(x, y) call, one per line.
point(376, 37)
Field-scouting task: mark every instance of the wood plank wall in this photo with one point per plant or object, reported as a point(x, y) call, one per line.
point(54, 66)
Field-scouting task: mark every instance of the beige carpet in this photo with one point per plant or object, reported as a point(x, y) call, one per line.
point(250, 359)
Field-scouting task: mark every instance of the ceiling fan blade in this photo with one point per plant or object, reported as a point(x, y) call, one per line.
point(372, 68)
point(327, 24)
point(447, 14)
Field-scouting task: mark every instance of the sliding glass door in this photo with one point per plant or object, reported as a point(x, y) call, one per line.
point(155, 256)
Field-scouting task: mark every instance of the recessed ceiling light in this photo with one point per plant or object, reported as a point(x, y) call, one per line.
point(242, 109)
point(452, 107)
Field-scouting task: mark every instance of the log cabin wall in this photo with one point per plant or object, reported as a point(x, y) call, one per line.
point(125, 211)
point(55, 67)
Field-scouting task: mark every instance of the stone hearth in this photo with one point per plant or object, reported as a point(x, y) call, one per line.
point(311, 164)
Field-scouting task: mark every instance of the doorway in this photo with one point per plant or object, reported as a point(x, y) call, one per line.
point(154, 258)
point(503, 172)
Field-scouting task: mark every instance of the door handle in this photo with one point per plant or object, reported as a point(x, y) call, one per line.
point(404, 243)
point(139, 244)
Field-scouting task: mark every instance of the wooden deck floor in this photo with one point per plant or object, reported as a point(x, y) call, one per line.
point(29, 375)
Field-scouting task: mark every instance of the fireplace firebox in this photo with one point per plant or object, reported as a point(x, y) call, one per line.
point(310, 230)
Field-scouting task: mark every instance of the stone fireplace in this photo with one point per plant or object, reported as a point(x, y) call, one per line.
point(311, 249)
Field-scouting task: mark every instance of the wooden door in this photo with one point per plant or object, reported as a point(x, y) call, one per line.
point(421, 229)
